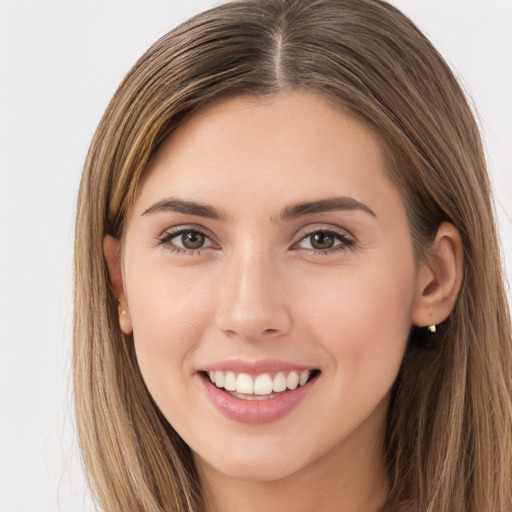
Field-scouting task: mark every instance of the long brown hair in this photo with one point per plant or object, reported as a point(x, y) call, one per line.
point(449, 430)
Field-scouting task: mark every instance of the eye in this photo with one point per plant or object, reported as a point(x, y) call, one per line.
point(184, 240)
point(324, 240)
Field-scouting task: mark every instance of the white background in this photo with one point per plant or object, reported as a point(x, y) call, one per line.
point(60, 62)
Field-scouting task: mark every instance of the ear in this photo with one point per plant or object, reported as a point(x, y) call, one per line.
point(111, 253)
point(439, 278)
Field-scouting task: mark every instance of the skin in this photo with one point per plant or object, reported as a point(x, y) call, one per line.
point(258, 289)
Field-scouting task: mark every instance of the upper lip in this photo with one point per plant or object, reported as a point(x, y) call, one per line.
point(255, 367)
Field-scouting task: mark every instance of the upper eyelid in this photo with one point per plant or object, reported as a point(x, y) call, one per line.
point(329, 229)
point(180, 228)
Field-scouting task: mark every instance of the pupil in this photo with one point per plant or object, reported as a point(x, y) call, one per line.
point(322, 241)
point(192, 240)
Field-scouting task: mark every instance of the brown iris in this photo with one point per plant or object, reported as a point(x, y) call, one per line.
point(192, 240)
point(322, 240)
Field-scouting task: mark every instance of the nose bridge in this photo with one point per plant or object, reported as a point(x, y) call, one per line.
point(251, 302)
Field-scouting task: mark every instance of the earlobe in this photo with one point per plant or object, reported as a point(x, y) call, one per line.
point(111, 253)
point(125, 321)
point(439, 278)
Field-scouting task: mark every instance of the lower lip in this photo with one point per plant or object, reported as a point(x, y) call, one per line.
point(255, 411)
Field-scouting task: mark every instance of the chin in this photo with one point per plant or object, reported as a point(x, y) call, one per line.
point(260, 466)
point(257, 472)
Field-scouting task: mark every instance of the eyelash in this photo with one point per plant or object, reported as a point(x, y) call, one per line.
point(166, 238)
point(346, 241)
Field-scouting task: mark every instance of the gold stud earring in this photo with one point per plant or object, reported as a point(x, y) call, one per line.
point(431, 328)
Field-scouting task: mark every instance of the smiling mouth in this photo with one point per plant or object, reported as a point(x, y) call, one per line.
point(264, 386)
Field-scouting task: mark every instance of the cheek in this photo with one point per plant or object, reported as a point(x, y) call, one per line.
point(362, 320)
point(169, 313)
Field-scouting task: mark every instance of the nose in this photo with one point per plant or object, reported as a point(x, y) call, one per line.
point(252, 301)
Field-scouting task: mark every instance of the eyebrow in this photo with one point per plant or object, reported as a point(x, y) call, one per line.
point(324, 205)
point(289, 213)
point(187, 207)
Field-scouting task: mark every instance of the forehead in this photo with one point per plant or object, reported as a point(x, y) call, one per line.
point(246, 151)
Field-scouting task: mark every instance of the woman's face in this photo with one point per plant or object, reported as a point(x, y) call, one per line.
point(267, 246)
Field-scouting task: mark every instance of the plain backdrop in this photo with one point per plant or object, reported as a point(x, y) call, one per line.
point(60, 62)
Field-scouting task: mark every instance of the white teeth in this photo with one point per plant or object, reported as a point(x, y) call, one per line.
point(252, 397)
point(219, 379)
point(244, 384)
point(292, 381)
point(262, 385)
point(229, 381)
point(279, 383)
point(304, 376)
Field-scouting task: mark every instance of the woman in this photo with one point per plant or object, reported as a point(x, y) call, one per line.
point(288, 287)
